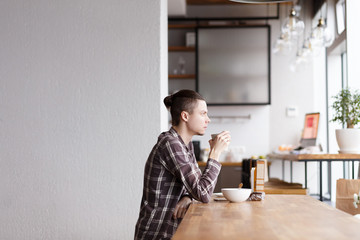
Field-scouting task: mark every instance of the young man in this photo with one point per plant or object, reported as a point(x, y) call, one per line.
point(172, 177)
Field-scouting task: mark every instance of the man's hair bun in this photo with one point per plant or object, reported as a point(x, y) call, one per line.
point(168, 101)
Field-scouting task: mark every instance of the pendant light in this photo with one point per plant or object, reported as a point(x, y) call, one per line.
point(293, 25)
point(303, 53)
point(283, 45)
point(307, 49)
point(321, 35)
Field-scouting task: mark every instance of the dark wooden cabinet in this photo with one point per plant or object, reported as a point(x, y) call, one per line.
point(228, 64)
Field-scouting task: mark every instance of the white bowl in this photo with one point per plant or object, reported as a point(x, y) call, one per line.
point(236, 194)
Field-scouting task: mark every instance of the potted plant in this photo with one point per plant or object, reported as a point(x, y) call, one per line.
point(347, 112)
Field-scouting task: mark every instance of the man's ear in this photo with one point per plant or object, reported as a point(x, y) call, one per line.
point(184, 116)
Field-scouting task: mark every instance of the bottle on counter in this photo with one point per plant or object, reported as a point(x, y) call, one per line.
point(205, 154)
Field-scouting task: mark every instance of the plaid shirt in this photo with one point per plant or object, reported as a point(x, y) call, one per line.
point(171, 172)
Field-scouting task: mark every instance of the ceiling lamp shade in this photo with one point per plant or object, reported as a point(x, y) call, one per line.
point(261, 1)
point(293, 25)
point(321, 35)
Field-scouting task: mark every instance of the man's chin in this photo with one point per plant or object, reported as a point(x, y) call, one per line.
point(200, 133)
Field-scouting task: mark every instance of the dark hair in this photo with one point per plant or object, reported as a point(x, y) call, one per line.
point(183, 100)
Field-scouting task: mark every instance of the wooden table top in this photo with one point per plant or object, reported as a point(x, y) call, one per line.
point(276, 217)
point(304, 157)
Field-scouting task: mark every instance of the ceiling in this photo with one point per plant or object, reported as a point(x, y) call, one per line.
point(316, 3)
point(178, 7)
point(209, 2)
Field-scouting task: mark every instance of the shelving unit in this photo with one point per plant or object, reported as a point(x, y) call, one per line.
point(182, 58)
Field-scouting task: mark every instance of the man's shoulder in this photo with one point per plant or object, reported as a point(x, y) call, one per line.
point(169, 137)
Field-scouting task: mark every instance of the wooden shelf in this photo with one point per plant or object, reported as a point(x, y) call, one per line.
point(181, 49)
point(183, 76)
point(182, 26)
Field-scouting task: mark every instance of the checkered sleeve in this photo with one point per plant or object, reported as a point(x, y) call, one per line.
point(182, 164)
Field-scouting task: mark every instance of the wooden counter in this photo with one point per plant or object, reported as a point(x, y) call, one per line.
point(320, 158)
point(313, 157)
point(276, 217)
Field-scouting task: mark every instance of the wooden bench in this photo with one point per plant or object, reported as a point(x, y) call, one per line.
point(277, 186)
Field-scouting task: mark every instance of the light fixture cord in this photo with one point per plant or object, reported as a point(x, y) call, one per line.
point(321, 10)
point(280, 18)
point(299, 45)
point(326, 16)
point(303, 3)
point(296, 2)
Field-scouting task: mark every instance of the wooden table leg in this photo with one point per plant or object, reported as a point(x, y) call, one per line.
point(321, 197)
point(291, 171)
point(305, 175)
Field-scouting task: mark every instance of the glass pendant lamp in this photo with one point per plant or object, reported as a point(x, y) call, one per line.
point(307, 49)
point(293, 25)
point(283, 45)
point(321, 35)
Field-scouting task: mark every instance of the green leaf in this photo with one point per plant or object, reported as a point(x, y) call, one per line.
point(347, 107)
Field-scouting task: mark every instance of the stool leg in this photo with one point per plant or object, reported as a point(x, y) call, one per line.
point(321, 197)
point(305, 174)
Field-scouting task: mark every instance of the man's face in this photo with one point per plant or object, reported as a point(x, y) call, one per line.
point(198, 120)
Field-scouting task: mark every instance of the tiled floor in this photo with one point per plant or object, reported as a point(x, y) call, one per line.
point(330, 203)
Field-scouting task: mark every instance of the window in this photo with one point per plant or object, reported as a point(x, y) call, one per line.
point(344, 70)
point(340, 16)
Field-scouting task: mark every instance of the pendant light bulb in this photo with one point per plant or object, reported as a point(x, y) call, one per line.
point(307, 49)
point(321, 35)
point(293, 25)
point(283, 45)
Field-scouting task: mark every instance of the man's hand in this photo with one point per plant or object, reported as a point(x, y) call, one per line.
point(181, 207)
point(218, 144)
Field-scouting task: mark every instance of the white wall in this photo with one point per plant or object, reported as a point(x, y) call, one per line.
point(81, 85)
point(253, 133)
point(352, 43)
